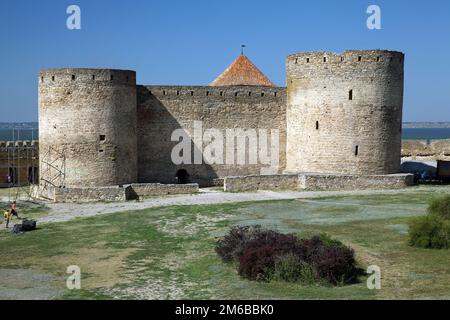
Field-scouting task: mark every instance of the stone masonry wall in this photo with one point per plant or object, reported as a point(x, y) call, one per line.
point(251, 183)
point(87, 194)
point(111, 193)
point(344, 112)
point(88, 117)
point(163, 109)
point(19, 160)
point(315, 181)
point(426, 150)
point(142, 190)
point(354, 182)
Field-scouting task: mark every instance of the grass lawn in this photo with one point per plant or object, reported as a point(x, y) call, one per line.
point(168, 253)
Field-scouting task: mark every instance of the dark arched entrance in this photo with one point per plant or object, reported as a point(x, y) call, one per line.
point(182, 176)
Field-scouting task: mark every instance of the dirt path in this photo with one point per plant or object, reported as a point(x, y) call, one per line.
point(60, 212)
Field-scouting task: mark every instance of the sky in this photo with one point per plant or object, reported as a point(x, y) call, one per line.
point(192, 42)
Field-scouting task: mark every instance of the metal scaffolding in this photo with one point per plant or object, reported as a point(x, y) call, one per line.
point(53, 171)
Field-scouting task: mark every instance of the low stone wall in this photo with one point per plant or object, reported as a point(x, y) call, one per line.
point(85, 194)
point(251, 183)
point(111, 193)
point(353, 182)
point(312, 181)
point(142, 190)
point(426, 149)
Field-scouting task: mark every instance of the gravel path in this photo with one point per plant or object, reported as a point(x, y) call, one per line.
point(60, 212)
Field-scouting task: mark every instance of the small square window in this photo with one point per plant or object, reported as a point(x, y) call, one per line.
point(102, 137)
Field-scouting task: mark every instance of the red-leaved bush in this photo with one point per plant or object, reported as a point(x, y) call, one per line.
point(259, 252)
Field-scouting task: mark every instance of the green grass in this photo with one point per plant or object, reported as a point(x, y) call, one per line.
point(169, 252)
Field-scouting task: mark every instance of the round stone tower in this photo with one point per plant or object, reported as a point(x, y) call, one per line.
point(87, 127)
point(344, 112)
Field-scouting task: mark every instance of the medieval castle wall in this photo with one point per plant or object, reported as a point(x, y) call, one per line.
point(340, 113)
point(19, 162)
point(344, 112)
point(163, 109)
point(88, 117)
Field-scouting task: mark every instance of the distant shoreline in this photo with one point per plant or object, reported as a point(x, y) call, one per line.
point(426, 125)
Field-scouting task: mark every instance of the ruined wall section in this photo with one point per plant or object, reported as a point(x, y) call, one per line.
point(344, 112)
point(163, 109)
point(89, 117)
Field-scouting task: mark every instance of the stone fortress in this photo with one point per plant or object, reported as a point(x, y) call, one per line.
point(336, 125)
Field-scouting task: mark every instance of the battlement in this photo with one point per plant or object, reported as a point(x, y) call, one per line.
point(67, 76)
point(221, 93)
point(347, 57)
point(19, 144)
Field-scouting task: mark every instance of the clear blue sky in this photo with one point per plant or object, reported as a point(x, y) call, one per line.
point(191, 42)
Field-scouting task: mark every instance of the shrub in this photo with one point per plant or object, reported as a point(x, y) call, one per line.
point(290, 268)
point(335, 264)
point(440, 207)
point(329, 242)
point(430, 231)
point(257, 259)
point(231, 246)
point(264, 255)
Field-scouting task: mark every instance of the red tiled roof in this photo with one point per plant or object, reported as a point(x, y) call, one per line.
point(242, 72)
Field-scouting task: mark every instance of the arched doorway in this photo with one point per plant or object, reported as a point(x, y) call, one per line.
point(182, 176)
